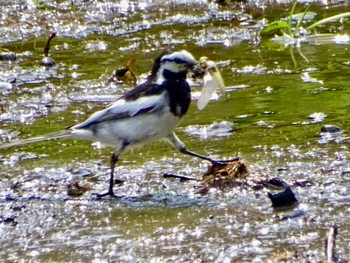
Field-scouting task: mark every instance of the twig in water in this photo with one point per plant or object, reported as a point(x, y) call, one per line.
point(47, 47)
point(330, 253)
point(181, 177)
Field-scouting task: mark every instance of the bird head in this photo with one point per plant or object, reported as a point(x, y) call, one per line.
point(178, 61)
point(173, 65)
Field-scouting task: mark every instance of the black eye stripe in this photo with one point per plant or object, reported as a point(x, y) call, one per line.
point(176, 60)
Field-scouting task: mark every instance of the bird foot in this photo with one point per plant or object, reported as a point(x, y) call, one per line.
point(109, 193)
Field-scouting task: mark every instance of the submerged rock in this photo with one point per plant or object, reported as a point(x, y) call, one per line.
point(47, 62)
point(330, 129)
point(331, 133)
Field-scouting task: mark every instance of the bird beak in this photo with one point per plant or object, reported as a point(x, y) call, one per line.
point(198, 70)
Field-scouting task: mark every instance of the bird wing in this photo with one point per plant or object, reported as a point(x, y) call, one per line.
point(127, 106)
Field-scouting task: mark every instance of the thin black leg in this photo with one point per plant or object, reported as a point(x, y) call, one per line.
point(181, 147)
point(114, 159)
point(183, 150)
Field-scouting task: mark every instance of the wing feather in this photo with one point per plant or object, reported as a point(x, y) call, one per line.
point(126, 108)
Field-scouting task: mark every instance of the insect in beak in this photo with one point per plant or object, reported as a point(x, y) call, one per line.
point(212, 80)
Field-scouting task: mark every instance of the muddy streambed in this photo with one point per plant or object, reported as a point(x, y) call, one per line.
point(285, 114)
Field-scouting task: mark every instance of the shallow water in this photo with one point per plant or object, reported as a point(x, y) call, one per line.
point(272, 118)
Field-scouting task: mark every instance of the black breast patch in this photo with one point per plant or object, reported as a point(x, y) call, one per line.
point(179, 96)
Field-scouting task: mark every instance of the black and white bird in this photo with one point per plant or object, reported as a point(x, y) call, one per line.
point(149, 112)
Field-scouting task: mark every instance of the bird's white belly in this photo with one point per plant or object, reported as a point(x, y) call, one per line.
point(134, 131)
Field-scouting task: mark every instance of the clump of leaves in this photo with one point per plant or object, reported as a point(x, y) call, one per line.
point(288, 34)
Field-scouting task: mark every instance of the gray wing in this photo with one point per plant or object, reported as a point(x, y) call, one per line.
point(125, 109)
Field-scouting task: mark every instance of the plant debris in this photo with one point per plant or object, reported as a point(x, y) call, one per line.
point(75, 189)
point(48, 61)
point(125, 74)
point(223, 175)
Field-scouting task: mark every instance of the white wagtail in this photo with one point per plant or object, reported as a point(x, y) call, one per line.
point(149, 112)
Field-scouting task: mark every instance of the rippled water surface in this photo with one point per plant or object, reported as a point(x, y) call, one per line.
point(285, 114)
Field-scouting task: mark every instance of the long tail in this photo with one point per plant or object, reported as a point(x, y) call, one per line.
point(51, 136)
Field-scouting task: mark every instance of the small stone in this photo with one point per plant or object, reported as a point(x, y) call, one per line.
point(8, 56)
point(330, 129)
point(47, 62)
point(283, 199)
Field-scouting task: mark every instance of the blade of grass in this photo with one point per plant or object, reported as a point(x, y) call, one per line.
point(303, 56)
point(328, 19)
point(291, 48)
point(302, 18)
point(290, 18)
